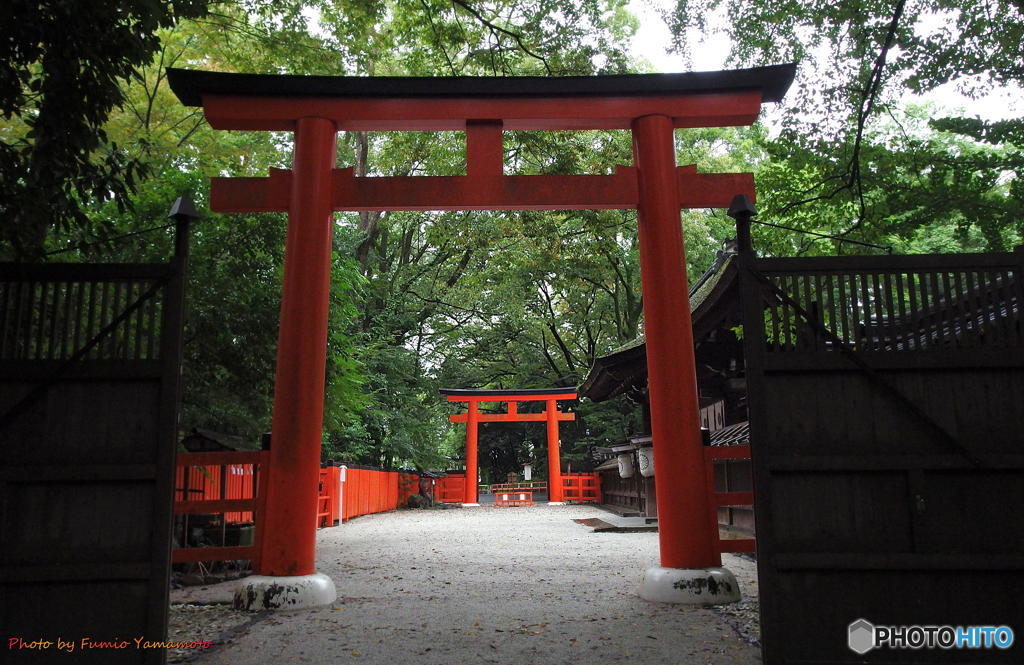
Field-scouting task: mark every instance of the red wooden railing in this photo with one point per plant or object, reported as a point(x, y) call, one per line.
point(720, 499)
point(228, 483)
point(581, 487)
point(504, 499)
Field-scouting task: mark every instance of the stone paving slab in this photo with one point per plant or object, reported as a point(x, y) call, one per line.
point(511, 586)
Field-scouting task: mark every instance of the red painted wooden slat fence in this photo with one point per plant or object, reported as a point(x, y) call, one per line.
point(365, 492)
point(368, 491)
point(347, 495)
point(226, 483)
point(581, 487)
point(451, 488)
point(408, 484)
point(199, 478)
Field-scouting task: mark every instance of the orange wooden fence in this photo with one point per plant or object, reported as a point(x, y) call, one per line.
point(451, 488)
point(531, 485)
point(368, 491)
point(578, 487)
point(199, 478)
point(581, 487)
point(517, 498)
point(228, 483)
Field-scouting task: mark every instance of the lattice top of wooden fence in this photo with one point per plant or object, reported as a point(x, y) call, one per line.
point(894, 303)
point(110, 312)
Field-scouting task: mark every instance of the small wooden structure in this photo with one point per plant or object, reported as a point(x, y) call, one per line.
point(201, 440)
point(714, 300)
point(623, 489)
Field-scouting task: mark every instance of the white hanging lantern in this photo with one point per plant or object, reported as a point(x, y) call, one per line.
point(625, 465)
point(645, 456)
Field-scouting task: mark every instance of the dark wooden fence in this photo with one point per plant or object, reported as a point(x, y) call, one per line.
point(886, 411)
point(89, 367)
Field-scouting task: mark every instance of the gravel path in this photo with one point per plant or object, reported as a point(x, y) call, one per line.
point(515, 586)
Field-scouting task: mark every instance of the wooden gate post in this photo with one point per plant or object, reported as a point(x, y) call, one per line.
point(690, 563)
point(287, 559)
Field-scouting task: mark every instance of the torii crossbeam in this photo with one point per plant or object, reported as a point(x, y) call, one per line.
point(316, 108)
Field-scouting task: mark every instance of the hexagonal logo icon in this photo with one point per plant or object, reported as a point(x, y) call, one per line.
point(861, 636)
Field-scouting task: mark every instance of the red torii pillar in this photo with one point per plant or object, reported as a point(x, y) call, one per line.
point(551, 415)
point(301, 358)
point(287, 524)
point(315, 108)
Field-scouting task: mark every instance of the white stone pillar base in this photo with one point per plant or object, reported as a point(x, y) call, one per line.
point(470, 505)
point(690, 586)
point(261, 592)
point(556, 503)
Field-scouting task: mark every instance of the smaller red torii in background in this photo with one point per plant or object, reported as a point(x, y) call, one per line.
point(473, 418)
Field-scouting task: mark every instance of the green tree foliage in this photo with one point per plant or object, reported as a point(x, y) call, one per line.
point(420, 300)
point(412, 290)
point(63, 66)
point(851, 158)
point(236, 263)
point(466, 299)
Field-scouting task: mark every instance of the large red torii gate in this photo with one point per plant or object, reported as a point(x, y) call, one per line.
point(316, 108)
point(551, 415)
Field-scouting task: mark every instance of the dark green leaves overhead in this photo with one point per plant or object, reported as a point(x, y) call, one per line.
point(62, 68)
point(853, 155)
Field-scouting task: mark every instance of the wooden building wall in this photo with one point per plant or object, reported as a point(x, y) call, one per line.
point(624, 493)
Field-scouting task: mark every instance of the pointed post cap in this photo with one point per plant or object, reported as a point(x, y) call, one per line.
point(741, 205)
point(183, 209)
